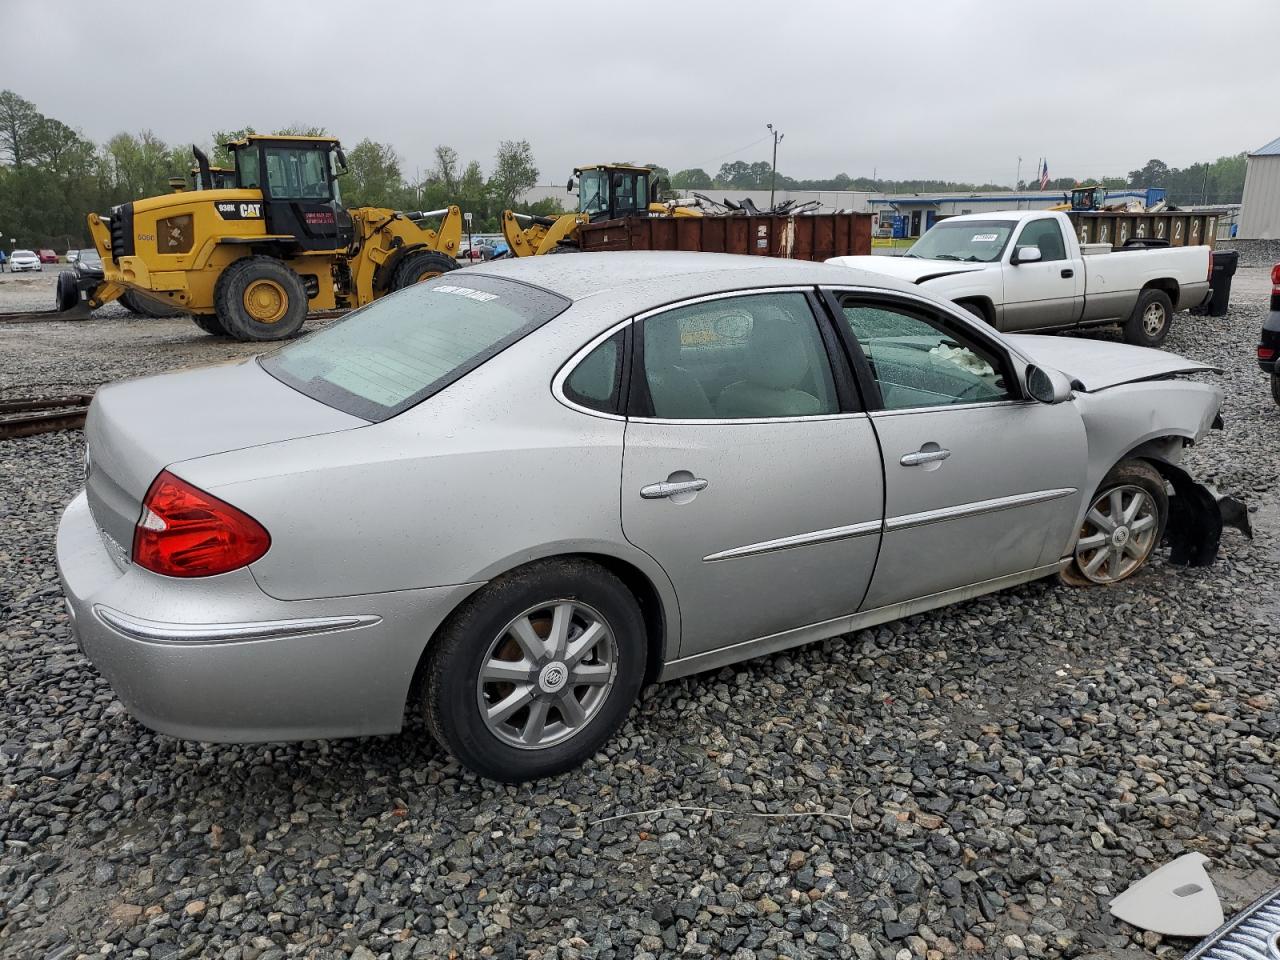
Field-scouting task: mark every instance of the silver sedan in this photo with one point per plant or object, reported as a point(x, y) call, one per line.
point(512, 495)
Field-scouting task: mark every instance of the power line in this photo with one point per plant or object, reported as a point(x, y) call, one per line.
point(728, 153)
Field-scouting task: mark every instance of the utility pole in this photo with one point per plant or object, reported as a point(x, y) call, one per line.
point(1017, 179)
point(773, 174)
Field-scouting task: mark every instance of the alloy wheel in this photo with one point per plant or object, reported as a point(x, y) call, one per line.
point(1153, 319)
point(1118, 534)
point(547, 674)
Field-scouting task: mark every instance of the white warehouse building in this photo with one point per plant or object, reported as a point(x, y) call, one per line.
point(1260, 206)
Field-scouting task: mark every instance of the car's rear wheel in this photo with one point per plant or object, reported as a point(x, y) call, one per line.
point(1275, 387)
point(1152, 316)
point(1122, 527)
point(535, 672)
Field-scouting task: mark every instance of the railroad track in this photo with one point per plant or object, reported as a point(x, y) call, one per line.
point(27, 416)
point(79, 313)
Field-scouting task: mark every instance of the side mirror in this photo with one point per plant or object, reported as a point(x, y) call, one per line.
point(568, 187)
point(1048, 385)
point(1026, 255)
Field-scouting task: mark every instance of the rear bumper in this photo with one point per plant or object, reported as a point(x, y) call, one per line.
point(217, 659)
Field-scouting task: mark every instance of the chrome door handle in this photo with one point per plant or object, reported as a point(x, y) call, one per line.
point(671, 488)
point(924, 456)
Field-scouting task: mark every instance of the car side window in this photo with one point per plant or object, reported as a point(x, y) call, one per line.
point(917, 362)
point(596, 380)
point(738, 358)
point(1047, 235)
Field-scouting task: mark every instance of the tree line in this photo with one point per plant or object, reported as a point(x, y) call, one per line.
point(52, 176)
point(1219, 181)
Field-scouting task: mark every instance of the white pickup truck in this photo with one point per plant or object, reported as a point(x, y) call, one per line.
point(1024, 270)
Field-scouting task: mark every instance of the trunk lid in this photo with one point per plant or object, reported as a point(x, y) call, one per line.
point(137, 428)
point(1098, 364)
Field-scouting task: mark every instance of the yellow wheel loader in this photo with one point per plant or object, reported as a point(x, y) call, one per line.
point(251, 260)
point(606, 191)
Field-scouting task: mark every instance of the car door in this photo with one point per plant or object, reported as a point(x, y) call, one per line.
point(749, 471)
point(1044, 293)
point(980, 482)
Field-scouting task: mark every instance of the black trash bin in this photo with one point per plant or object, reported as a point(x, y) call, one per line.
point(1224, 268)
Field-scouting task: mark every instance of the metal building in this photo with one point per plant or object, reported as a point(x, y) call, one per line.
point(1260, 206)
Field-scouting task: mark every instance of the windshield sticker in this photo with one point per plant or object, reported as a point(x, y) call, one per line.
point(467, 292)
point(985, 237)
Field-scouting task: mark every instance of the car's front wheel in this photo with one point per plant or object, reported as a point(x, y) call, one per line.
point(1123, 525)
point(536, 671)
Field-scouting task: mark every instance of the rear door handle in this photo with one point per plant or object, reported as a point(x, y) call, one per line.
point(672, 488)
point(1068, 273)
point(924, 456)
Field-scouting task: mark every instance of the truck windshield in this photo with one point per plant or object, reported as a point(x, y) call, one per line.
point(980, 241)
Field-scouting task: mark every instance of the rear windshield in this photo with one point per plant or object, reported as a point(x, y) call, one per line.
point(401, 349)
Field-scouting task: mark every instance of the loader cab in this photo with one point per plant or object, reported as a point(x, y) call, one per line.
point(298, 177)
point(1088, 198)
point(611, 191)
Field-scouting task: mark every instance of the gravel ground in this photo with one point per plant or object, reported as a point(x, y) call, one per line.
point(980, 780)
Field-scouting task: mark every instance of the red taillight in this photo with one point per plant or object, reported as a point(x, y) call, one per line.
point(1266, 353)
point(1275, 278)
point(185, 532)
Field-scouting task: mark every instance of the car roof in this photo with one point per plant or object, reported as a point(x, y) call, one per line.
point(1018, 215)
point(581, 275)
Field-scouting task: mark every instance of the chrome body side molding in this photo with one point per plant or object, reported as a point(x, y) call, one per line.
point(799, 540)
point(155, 631)
point(975, 508)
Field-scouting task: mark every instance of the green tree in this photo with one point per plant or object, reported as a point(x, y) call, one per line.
point(514, 172)
point(373, 178)
point(694, 178)
point(19, 123)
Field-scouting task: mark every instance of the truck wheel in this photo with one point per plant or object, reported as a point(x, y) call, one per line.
point(535, 671)
point(976, 310)
point(209, 324)
point(564, 248)
point(419, 266)
point(1275, 387)
point(1149, 323)
point(259, 298)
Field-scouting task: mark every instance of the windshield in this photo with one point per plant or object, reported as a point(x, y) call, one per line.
point(401, 349)
point(593, 191)
point(980, 241)
point(23, 253)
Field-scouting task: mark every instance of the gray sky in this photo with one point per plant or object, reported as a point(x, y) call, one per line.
point(954, 90)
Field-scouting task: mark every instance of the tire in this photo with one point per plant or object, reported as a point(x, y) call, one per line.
point(259, 298)
point(1107, 553)
point(1275, 387)
point(1152, 316)
point(563, 248)
point(144, 306)
point(209, 324)
point(976, 310)
point(421, 265)
point(481, 631)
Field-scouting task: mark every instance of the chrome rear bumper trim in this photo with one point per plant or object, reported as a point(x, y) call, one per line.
point(155, 631)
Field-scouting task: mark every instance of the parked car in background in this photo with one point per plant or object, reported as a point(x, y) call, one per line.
point(1023, 270)
point(541, 484)
point(47, 256)
point(1269, 345)
point(21, 261)
point(88, 256)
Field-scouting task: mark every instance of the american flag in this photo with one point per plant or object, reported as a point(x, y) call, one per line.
point(1044, 174)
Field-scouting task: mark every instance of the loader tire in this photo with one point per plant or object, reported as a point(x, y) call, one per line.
point(259, 298)
point(209, 324)
point(421, 265)
point(146, 307)
point(563, 248)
